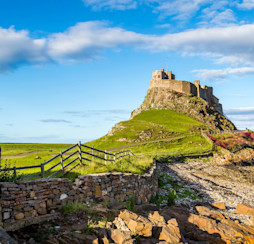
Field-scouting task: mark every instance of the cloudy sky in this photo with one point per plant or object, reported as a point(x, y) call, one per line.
point(71, 69)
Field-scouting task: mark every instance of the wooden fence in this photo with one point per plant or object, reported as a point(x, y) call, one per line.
point(67, 161)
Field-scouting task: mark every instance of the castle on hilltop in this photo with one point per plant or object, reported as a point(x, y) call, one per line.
point(166, 79)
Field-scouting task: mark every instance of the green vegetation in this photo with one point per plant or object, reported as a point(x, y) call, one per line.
point(130, 203)
point(157, 132)
point(173, 190)
point(133, 165)
point(78, 206)
point(154, 133)
point(7, 176)
point(41, 149)
point(34, 159)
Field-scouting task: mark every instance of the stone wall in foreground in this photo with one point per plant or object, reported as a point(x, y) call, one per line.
point(119, 187)
point(34, 201)
point(30, 202)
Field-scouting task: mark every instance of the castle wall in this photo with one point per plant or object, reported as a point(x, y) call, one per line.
point(194, 90)
point(167, 80)
point(175, 85)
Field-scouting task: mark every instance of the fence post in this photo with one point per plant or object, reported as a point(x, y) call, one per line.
point(105, 156)
point(61, 160)
point(79, 153)
point(15, 173)
point(42, 171)
point(93, 153)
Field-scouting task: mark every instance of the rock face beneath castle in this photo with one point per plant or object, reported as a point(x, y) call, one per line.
point(193, 100)
point(165, 79)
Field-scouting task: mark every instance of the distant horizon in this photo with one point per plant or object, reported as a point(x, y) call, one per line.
point(69, 71)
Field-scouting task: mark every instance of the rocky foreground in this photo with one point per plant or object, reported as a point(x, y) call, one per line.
point(199, 201)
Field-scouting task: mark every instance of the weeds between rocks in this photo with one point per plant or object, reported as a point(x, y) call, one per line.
point(170, 189)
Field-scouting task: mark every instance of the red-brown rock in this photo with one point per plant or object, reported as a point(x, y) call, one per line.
point(219, 205)
point(244, 209)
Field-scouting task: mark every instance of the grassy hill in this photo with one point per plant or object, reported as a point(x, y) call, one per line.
point(156, 131)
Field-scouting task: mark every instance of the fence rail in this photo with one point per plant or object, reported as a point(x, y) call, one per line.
point(69, 160)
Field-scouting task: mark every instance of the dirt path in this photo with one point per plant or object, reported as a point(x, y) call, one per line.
point(20, 155)
point(213, 183)
point(142, 143)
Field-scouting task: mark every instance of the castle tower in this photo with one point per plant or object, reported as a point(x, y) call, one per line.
point(196, 83)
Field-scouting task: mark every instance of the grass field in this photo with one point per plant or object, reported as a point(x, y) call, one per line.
point(18, 148)
point(155, 132)
point(23, 155)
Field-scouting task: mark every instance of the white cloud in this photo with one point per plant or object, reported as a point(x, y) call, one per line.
point(180, 9)
point(223, 18)
point(18, 48)
point(54, 121)
point(234, 41)
point(207, 74)
point(212, 12)
point(217, 14)
point(240, 111)
point(162, 26)
point(235, 61)
point(85, 40)
point(246, 4)
point(242, 117)
point(111, 4)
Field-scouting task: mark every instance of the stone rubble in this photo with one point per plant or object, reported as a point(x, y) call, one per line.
point(213, 183)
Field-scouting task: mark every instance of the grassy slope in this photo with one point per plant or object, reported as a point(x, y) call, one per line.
point(177, 128)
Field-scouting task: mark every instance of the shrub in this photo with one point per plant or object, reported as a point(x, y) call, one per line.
point(130, 203)
point(171, 197)
point(7, 176)
point(252, 135)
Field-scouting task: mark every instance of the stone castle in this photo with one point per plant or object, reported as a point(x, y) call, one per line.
point(166, 79)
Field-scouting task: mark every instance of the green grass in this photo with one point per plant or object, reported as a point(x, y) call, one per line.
point(175, 190)
point(18, 148)
point(77, 206)
point(190, 144)
point(43, 153)
point(154, 132)
point(133, 165)
point(168, 123)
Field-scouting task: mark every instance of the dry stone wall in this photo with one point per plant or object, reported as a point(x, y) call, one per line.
point(119, 187)
point(31, 202)
point(34, 201)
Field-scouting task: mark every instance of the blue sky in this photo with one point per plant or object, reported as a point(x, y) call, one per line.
point(71, 69)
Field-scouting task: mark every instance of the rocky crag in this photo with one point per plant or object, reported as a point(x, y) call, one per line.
point(159, 98)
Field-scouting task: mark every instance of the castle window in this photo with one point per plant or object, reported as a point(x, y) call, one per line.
point(159, 76)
